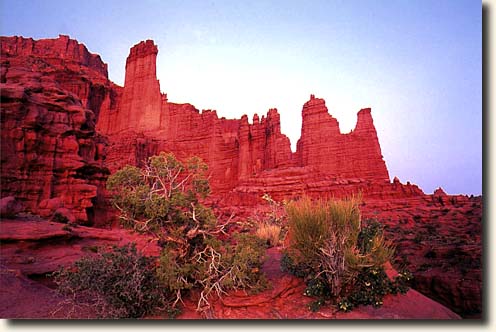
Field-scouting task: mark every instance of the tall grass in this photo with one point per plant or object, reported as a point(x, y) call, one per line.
point(269, 233)
point(325, 239)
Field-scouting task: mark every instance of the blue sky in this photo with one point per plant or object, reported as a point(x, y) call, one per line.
point(417, 64)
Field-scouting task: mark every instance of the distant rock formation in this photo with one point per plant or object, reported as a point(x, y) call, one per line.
point(353, 155)
point(145, 122)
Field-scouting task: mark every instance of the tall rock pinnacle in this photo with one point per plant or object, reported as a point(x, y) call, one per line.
point(141, 98)
point(353, 155)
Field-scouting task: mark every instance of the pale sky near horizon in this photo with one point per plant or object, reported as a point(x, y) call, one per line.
point(417, 64)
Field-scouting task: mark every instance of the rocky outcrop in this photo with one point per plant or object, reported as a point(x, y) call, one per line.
point(10, 207)
point(286, 300)
point(51, 155)
point(37, 247)
point(236, 151)
point(353, 155)
point(57, 52)
point(141, 101)
point(145, 122)
point(439, 241)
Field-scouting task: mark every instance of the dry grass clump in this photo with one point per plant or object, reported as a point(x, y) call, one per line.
point(330, 248)
point(269, 233)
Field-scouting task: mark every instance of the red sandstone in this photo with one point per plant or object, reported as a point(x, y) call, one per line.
point(65, 126)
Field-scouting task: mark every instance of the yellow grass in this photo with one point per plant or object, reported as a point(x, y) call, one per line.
point(269, 233)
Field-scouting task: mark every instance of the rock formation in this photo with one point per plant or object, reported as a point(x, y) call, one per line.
point(51, 94)
point(353, 155)
point(236, 151)
point(141, 101)
point(65, 127)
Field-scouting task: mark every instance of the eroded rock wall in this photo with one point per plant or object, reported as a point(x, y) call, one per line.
point(51, 156)
point(235, 150)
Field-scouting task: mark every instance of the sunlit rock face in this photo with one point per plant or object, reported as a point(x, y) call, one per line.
point(145, 122)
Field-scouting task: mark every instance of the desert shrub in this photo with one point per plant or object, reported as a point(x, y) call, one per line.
point(164, 193)
point(215, 269)
point(269, 233)
point(244, 264)
point(60, 218)
point(330, 248)
point(270, 225)
point(371, 285)
point(121, 283)
point(164, 199)
point(277, 213)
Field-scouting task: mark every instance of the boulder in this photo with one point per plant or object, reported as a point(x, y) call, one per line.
point(9, 207)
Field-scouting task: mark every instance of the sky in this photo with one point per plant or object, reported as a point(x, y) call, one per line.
point(417, 64)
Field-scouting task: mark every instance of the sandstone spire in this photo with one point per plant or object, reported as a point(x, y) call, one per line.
point(353, 155)
point(141, 99)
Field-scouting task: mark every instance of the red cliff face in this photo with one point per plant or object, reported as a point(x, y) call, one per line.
point(234, 149)
point(51, 92)
point(56, 51)
point(353, 155)
point(145, 122)
point(140, 103)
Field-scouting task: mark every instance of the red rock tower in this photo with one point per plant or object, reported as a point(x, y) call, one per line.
point(354, 155)
point(141, 99)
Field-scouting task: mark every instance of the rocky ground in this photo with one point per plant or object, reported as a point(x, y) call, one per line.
point(32, 247)
point(440, 243)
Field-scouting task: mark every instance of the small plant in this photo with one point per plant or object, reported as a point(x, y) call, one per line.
point(121, 283)
point(93, 249)
point(277, 213)
point(341, 261)
point(371, 285)
point(269, 233)
point(60, 218)
point(67, 228)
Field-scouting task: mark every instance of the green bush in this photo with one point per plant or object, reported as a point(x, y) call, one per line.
point(331, 250)
point(164, 194)
point(215, 269)
point(371, 285)
point(164, 199)
point(121, 283)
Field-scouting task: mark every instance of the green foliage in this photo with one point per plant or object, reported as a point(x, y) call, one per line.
point(331, 250)
point(119, 284)
point(164, 199)
point(270, 225)
point(67, 228)
point(245, 264)
point(215, 269)
point(323, 239)
point(166, 191)
point(371, 285)
point(60, 218)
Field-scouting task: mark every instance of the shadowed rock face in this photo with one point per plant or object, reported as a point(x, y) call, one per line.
point(52, 91)
point(65, 127)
